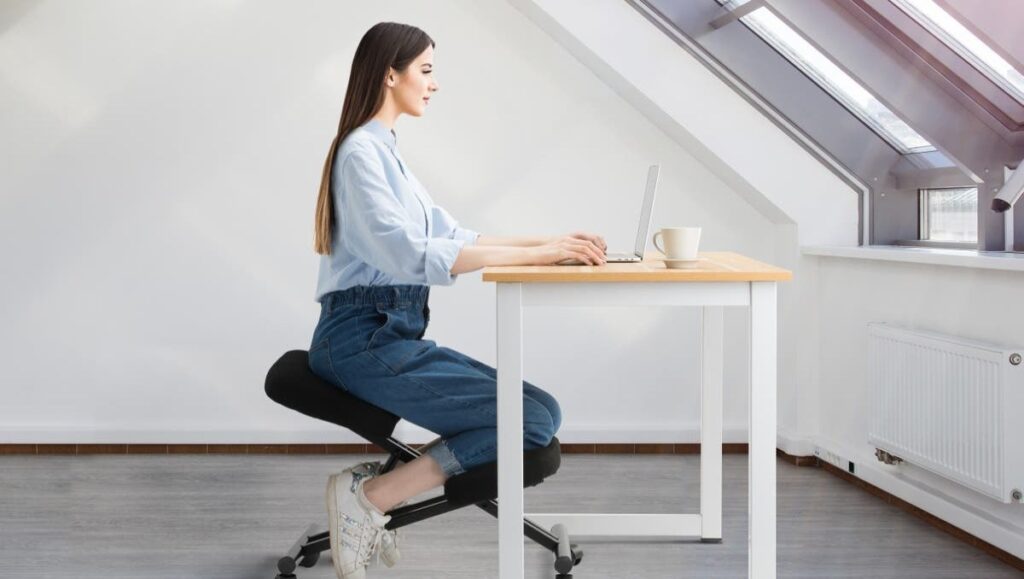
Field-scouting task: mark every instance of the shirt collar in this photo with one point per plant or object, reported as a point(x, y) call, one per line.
point(383, 133)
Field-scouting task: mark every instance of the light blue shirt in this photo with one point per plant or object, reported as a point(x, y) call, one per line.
point(388, 230)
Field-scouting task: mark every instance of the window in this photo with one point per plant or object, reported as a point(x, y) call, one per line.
point(850, 93)
point(950, 214)
point(962, 41)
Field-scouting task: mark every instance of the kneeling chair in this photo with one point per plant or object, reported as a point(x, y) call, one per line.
point(291, 383)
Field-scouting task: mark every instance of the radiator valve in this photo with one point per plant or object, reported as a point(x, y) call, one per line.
point(1015, 359)
point(886, 457)
point(1016, 495)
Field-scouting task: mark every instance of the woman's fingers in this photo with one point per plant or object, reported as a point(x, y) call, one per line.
point(578, 250)
point(589, 245)
point(594, 255)
point(596, 241)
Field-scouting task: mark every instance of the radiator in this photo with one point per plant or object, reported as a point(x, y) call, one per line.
point(949, 405)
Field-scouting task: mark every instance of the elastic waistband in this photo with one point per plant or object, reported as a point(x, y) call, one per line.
point(379, 295)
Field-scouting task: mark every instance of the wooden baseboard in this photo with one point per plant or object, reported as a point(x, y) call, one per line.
point(1004, 556)
point(797, 460)
point(623, 448)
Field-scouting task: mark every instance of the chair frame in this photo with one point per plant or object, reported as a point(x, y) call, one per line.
point(313, 541)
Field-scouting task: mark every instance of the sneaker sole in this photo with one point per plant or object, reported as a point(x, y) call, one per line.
point(332, 511)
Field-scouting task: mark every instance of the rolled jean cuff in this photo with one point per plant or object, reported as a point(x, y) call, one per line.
point(440, 452)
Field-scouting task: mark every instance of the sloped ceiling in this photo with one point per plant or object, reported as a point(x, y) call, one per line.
point(703, 113)
point(989, 20)
point(998, 22)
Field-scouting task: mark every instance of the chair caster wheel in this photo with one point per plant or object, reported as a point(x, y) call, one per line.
point(563, 576)
point(285, 566)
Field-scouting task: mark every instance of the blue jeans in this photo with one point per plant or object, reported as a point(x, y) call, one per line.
point(369, 342)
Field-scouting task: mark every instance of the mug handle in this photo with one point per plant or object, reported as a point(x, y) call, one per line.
point(661, 249)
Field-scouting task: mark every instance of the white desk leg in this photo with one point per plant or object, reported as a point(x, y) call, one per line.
point(711, 377)
point(510, 431)
point(761, 546)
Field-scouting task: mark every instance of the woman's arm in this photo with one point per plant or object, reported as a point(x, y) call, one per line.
point(474, 257)
point(512, 241)
point(531, 251)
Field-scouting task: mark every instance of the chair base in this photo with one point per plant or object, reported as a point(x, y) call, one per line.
point(313, 541)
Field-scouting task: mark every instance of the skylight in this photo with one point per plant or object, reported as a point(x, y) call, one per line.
point(974, 50)
point(833, 79)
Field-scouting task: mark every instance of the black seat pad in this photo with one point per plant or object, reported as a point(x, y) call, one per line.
point(291, 383)
point(481, 483)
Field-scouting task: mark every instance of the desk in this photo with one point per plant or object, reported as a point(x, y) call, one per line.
point(722, 279)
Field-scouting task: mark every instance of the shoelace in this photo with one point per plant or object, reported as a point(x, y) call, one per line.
point(364, 549)
point(374, 467)
point(378, 535)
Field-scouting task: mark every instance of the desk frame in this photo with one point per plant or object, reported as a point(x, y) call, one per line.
point(760, 297)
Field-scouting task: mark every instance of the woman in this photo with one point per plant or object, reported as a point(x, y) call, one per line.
point(383, 242)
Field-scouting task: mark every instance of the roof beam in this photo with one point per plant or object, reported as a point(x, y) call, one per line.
point(736, 14)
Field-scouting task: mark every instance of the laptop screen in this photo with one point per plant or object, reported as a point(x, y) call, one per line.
point(647, 211)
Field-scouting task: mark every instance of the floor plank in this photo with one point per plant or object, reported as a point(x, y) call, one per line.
point(143, 516)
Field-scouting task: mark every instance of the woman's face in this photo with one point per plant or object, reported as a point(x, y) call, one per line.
point(412, 88)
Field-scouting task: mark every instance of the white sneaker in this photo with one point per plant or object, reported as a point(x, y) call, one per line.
point(389, 542)
point(356, 526)
point(389, 545)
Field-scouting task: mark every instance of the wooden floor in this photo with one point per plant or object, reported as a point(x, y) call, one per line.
point(232, 516)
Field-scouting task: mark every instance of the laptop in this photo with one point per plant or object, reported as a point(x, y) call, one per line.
point(646, 212)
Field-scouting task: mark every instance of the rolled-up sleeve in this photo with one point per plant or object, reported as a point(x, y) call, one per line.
point(446, 226)
point(377, 230)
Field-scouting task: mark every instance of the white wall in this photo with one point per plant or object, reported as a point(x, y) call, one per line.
point(743, 146)
point(973, 303)
point(156, 210)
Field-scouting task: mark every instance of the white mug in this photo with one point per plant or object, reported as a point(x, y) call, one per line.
point(680, 242)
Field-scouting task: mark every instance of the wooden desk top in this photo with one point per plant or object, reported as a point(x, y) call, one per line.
point(714, 266)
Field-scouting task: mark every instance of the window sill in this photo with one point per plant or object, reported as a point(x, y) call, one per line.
point(1004, 260)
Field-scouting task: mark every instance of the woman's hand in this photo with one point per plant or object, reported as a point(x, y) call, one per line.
point(586, 247)
point(596, 239)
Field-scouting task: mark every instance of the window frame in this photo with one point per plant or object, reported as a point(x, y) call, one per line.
point(924, 225)
point(826, 87)
point(964, 52)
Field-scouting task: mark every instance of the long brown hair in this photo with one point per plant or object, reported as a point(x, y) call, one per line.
point(387, 44)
